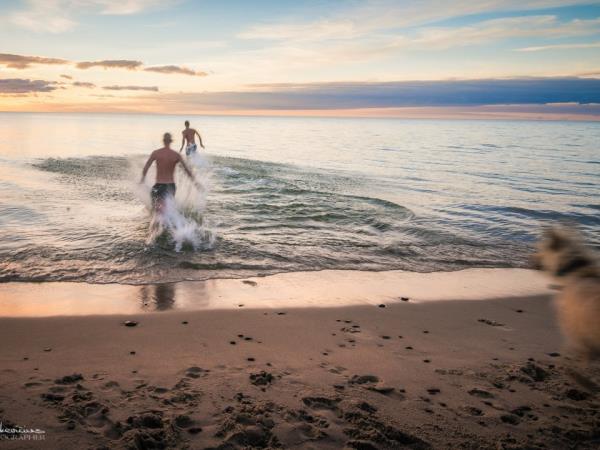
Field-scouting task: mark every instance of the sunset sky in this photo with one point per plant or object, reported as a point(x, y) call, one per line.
point(300, 57)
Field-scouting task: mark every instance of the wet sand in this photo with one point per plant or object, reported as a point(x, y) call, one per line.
point(404, 374)
point(319, 289)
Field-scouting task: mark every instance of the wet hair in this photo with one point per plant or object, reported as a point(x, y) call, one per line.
point(167, 138)
point(187, 123)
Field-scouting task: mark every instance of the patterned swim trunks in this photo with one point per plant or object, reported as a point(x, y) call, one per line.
point(191, 148)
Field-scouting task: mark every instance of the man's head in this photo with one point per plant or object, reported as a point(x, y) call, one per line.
point(167, 139)
point(187, 123)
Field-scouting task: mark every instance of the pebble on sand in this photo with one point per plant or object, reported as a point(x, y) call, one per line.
point(130, 323)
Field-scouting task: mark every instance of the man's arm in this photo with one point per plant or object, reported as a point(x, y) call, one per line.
point(189, 173)
point(186, 168)
point(182, 141)
point(199, 138)
point(147, 166)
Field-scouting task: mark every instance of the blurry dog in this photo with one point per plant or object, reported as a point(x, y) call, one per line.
point(562, 254)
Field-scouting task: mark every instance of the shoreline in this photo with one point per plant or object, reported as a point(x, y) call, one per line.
point(419, 375)
point(321, 289)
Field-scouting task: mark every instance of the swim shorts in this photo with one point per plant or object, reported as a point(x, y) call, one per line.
point(191, 148)
point(160, 191)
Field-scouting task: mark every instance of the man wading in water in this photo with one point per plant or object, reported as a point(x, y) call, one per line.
point(166, 160)
point(189, 136)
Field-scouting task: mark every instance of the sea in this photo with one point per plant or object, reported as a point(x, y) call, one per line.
point(287, 194)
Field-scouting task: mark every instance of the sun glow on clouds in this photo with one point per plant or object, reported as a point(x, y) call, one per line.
point(144, 54)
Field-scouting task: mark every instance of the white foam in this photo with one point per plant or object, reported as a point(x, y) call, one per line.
point(184, 217)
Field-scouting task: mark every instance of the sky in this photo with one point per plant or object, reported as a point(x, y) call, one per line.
point(533, 58)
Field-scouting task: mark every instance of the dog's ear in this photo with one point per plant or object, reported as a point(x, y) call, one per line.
point(556, 239)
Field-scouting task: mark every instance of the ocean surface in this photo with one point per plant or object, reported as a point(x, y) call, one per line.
point(288, 194)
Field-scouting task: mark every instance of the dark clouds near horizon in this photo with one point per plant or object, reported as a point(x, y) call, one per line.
point(325, 96)
point(25, 86)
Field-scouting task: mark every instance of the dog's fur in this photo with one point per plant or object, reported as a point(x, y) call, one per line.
point(562, 255)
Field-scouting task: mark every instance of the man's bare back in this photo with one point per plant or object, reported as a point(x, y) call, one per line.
point(166, 161)
point(189, 134)
point(189, 139)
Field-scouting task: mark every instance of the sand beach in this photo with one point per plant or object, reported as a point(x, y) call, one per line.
point(416, 369)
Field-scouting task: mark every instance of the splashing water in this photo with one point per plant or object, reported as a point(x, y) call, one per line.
point(182, 219)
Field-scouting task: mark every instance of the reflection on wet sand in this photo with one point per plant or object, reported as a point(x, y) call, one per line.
point(157, 297)
point(329, 288)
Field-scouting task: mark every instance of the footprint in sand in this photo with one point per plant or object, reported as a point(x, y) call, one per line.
point(321, 403)
point(480, 393)
point(363, 379)
point(196, 372)
point(261, 378)
point(69, 379)
point(491, 323)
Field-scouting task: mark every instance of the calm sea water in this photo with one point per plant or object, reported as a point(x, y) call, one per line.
point(290, 194)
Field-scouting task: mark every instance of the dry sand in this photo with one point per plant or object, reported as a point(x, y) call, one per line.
point(430, 374)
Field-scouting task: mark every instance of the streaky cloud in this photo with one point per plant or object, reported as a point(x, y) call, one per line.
point(25, 86)
point(559, 47)
point(111, 64)
point(24, 62)
point(131, 88)
point(84, 84)
point(59, 16)
point(175, 69)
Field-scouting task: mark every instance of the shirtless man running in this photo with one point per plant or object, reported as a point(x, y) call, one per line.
point(166, 160)
point(189, 136)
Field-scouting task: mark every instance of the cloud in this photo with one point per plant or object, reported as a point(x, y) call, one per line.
point(59, 16)
point(125, 7)
point(111, 64)
point(559, 47)
point(23, 62)
point(381, 15)
point(504, 28)
point(325, 96)
point(131, 88)
point(591, 73)
point(84, 84)
point(356, 38)
point(175, 69)
point(25, 86)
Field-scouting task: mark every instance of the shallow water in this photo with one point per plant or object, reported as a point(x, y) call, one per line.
point(289, 194)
